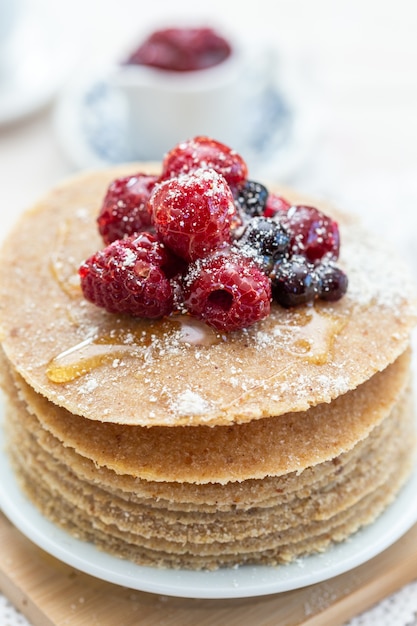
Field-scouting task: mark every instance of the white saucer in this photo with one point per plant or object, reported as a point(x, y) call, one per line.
point(246, 581)
point(91, 126)
point(38, 59)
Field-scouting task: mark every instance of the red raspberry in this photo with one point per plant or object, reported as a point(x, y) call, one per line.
point(227, 291)
point(313, 234)
point(275, 204)
point(190, 155)
point(128, 277)
point(124, 211)
point(193, 214)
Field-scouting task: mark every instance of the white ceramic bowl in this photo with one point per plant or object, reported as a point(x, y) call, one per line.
point(166, 107)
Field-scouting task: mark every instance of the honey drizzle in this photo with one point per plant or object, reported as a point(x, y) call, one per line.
point(64, 271)
point(315, 334)
point(308, 334)
point(312, 333)
point(97, 350)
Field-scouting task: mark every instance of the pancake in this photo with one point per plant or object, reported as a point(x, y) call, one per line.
point(173, 445)
point(288, 362)
point(203, 454)
point(338, 497)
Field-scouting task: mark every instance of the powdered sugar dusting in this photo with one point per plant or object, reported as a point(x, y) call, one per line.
point(375, 273)
point(190, 403)
point(174, 372)
point(129, 257)
point(302, 339)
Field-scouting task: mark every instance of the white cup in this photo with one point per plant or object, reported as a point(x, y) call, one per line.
point(166, 107)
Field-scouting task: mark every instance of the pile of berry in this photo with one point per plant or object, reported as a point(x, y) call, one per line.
point(203, 239)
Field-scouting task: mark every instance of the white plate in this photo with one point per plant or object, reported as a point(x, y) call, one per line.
point(246, 581)
point(37, 61)
point(282, 124)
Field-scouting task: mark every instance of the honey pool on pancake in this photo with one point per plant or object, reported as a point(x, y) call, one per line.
point(307, 333)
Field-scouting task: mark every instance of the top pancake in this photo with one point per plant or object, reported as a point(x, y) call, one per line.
point(133, 371)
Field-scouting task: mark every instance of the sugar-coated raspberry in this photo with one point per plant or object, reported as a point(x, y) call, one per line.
point(128, 277)
point(203, 152)
point(275, 204)
point(227, 291)
point(124, 211)
point(193, 213)
point(313, 234)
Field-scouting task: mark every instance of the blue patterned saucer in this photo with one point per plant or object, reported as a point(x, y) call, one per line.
point(91, 126)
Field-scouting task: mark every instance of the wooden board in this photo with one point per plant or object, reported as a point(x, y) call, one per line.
point(50, 593)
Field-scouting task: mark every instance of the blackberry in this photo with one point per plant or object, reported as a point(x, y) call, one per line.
point(333, 282)
point(267, 236)
point(266, 240)
point(251, 198)
point(294, 281)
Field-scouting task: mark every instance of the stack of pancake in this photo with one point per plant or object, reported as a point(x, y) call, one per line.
point(169, 444)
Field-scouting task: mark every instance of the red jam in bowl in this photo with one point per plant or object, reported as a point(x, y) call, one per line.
point(181, 49)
